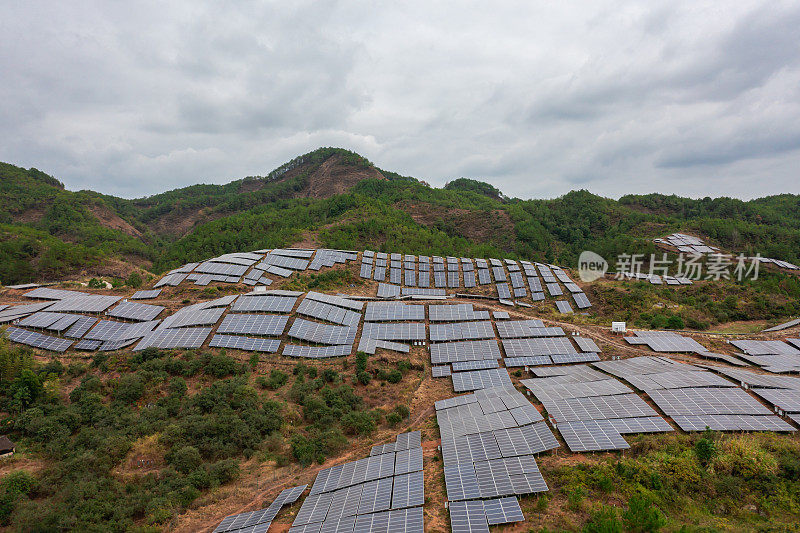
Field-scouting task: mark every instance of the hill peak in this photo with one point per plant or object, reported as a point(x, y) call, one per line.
point(322, 173)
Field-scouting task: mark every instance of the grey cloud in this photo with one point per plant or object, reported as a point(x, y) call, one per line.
point(691, 98)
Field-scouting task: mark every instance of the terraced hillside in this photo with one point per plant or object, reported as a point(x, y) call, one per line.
point(326, 389)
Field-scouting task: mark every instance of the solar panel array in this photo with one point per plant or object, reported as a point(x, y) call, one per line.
point(450, 352)
point(260, 520)
point(136, 311)
point(316, 332)
point(402, 331)
point(249, 344)
point(328, 312)
point(695, 398)
point(263, 303)
point(489, 440)
point(146, 295)
point(38, 340)
point(382, 492)
point(393, 312)
point(267, 325)
point(664, 341)
point(456, 312)
point(459, 331)
point(592, 410)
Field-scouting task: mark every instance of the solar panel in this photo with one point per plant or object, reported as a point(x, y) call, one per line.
point(444, 313)
point(503, 511)
point(581, 300)
point(388, 291)
point(172, 280)
point(461, 482)
point(245, 343)
point(370, 346)
point(481, 379)
point(80, 327)
point(409, 460)
point(538, 346)
point(530, 360)
point(503, 291)
point(732, 422)
point(314, 509)
point(563, 306)
point(40, 319)
point(458, 331)
point(484, 277)
point(556, 391)
point(591, 435)
point(328, 312)
point(406, 441)
point(38, 340)
point(90, 303)
point(269, 325)
point(597, 407)
point(585, 344)
point(146, 295)
point(393, 311)
point(468, 517)
point(222, 269)
point(88, 345)
point(480, 364)
point(755, 347)
point(263, 303)
point(175, 338)
point(509, 475)
point(404, 331)
point(701, 401)
point(442, 371)
point(646, 424)
point(526, 440)
point(307, 330)
point(376, 496)
point(449, 352)
point(677, 380)
point(136, 311)
point(666, 342)
point(317, 352)
point(408, 490)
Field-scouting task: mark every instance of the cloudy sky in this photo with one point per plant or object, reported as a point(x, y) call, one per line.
point(133, 98)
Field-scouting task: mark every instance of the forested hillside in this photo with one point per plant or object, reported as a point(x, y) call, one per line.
point(336, 198)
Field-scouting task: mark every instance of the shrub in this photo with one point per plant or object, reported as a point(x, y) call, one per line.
point(220, 366)
point(129, 389)
point(134, 280)
point(330, 375)
point(277, 379)
point(358, 423)
point(403, 411)
point(705, 449)
point(185, 459)
point(603, 520)
point(675, 322)
point(642, 516)
point(361, 362)
point(95, 283)
point(395, 376)
point(393, 419)
point(363, 377)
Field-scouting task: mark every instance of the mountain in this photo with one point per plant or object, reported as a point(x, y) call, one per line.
point(336, 198)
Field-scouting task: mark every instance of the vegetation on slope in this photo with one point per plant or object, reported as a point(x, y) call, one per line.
point(394, 213)
point(130, 440)
point(676, 482)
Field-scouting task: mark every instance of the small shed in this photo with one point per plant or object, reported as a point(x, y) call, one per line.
point(6, 447)
point(618, 327)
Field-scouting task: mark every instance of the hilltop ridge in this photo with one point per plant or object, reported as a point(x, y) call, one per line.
point(337, 198)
